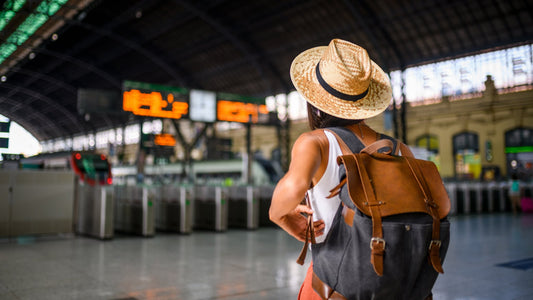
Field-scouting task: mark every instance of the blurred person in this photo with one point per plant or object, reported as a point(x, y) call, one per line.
point(514, 193)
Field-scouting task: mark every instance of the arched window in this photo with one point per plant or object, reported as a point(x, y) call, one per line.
point(519, 152)
point(466, 155)
point(430, 143)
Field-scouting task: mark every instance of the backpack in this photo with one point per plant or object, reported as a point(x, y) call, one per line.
point(390, 234)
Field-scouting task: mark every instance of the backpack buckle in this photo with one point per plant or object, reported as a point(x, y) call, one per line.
point(377, 240)
point(435, 242)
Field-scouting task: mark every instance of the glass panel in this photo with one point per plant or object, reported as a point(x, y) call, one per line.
point(465, 76)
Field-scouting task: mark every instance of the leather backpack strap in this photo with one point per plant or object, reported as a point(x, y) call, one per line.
point(352, 138)
point(344, 148)
point(309, 234)
point(378, 145)
point(432, 207)
point(377, 243)
point(405, 151)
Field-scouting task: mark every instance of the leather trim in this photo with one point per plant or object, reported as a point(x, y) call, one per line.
point(325, 291)
point(309, 234)
point(348, 215)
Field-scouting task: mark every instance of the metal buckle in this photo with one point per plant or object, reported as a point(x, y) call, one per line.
point(436, 242)
point(377, 240)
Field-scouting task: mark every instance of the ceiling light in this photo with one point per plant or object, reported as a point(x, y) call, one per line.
point(10, 10)
point(27, 28)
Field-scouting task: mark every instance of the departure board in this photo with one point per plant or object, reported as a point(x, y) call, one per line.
point(235, 108)
point(152, 100)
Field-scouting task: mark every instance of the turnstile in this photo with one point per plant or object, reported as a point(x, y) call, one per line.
point(210, 208)
point(451, 188)
point(94, 210)
point(134, 209)
point(174, 209)
point(478, 197)
point(243, 207)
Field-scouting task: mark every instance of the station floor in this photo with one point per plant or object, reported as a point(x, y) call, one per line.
point(490, 257)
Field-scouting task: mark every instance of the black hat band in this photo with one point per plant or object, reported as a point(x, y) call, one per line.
point(336, 93)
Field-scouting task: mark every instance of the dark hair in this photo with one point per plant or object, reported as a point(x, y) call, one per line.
point(319, 119)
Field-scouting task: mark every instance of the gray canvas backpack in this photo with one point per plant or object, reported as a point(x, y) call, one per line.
point(390, 234)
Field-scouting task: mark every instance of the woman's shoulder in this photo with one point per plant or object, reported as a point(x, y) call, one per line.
point(311, 142)
point(316, 137)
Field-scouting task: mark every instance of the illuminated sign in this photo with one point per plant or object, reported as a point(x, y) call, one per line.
point(234, 108)
point(153, 100)
point(203, 106)
point(164, 139)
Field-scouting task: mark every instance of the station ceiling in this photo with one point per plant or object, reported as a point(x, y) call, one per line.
point(234, 46)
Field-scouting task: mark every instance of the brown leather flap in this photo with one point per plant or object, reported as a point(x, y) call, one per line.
point(397, 184)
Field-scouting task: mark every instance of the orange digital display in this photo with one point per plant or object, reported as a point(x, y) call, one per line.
point(153, 105)
point(164, 139)
point(232, 111)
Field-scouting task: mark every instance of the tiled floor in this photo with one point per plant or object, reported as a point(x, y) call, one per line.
point(240, 264)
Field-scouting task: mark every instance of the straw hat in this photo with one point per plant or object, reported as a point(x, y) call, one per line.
point(341, 80)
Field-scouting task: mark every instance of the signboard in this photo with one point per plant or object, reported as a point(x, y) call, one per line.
point(235, 108)
point(159, 101)
point(98, 101)
point(164, 139)
point(152, 100)
point(203, 106)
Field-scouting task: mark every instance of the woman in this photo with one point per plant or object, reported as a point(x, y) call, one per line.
point(342, 86)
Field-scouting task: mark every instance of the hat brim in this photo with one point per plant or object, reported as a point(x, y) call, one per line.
point(304, 79)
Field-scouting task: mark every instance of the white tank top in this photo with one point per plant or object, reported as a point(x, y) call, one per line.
point(325, 209)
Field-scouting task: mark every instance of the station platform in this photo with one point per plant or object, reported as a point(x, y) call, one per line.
point(490, 257)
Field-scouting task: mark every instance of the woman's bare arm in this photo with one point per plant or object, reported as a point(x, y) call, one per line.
point(286, 208)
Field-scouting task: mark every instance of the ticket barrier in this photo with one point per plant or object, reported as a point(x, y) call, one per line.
point(210, 208)
point(470, 197)
point(174, 209)
point(93, 195)
point(243, 207)
point(478, 197)
point(451, 189)
point(265, 198)
point(495, 193)
point(503, 194)
point(94, 210)
point(134, 209)
point(492, 194)
point(527, 190)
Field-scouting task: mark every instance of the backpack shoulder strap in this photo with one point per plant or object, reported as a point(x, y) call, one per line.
point(405, 150)
point(348, 141)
